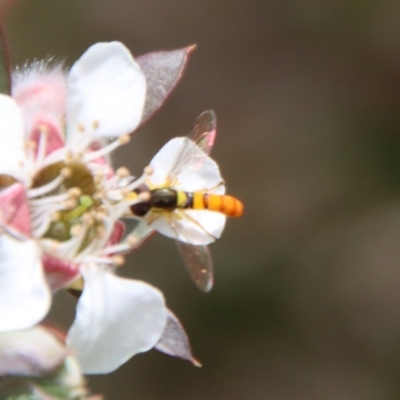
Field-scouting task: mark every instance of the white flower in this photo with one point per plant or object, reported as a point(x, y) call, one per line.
point(76, 199)
point(61, 201)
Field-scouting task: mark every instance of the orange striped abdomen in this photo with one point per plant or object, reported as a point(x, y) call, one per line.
point(228, 205)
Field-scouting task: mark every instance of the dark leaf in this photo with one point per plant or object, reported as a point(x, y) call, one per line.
point(175, 342)
point(162, 70)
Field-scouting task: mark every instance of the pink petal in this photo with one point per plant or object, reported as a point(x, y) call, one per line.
point(14, 210)
point(59, 272)
point(117, 233)
point(54, 139)
point(39, 90)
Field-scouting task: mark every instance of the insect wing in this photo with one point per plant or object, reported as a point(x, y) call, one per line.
point(203, 136)
point(204, 131)
point(198, 262)
point(139, 232)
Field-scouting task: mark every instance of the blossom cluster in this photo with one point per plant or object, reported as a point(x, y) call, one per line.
point(63, 205)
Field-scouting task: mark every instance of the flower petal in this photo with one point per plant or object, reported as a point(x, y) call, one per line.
point(39, 90)
point(193, 168)
point(24, 295)
point(59, 272)
point(32, 352)
point(12, 155)
point(14, 211)
point(197, 227)
point(105, 94)
point(116, 318)
point(163, 70)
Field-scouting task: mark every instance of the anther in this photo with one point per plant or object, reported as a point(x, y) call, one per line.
point(31, 145)
point(95, 124)
point(100, 232)
point(55, 216)
point(69, 156)
point(102, 208)
point(70, 204)
point(44, 129)
point(99, 216)
point(74, 192)
point(132, 240)
point(98, 179)
point(51, 246)
point(144, 196)
point(81, 128)
point(88, 219)
point(122, 172)
point(118, 260)
point(66, 172)
point(75, 230)
point(149, 170)
point(99, 195)
point(123, 139)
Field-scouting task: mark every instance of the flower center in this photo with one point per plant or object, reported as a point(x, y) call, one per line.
point(75, 200)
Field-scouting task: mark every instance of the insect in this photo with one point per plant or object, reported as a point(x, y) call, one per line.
point(183, 198)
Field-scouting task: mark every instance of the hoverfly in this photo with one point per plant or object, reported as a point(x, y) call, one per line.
point(183, 198)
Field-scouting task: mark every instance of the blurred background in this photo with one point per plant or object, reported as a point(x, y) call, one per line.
point(306, 303)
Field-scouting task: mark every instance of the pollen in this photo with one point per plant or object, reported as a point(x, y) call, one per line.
point(122, 172)
point(66, 172)
point(56, 216)
point(81, 128)
point(30, 145)
point(144, 196)
point(100, 232)
point(99, 215)
point(99, 195)
point(70, 204)
point(124, 139)
point(88, 219)
point(44, 129)
point(149, 170)
point(74, 192)
point(132, 240)
point(118, 260)
point(75, 230)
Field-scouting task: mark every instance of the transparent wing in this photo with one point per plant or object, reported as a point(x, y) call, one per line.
point(197, 258)
point(204, 131)
point(198, 262)
point(138, 230)
point(203, 136)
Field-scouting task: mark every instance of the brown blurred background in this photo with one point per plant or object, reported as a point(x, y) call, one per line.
point(306, 304)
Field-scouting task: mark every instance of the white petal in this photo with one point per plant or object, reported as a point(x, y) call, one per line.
point(12, 150)
point(105, 94)
point(30, 352)
point(24, 295)
point(195, 170)
point(197, 227)
point(116, 319)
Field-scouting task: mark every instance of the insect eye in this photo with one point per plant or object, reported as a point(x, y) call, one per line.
point(140, 209)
